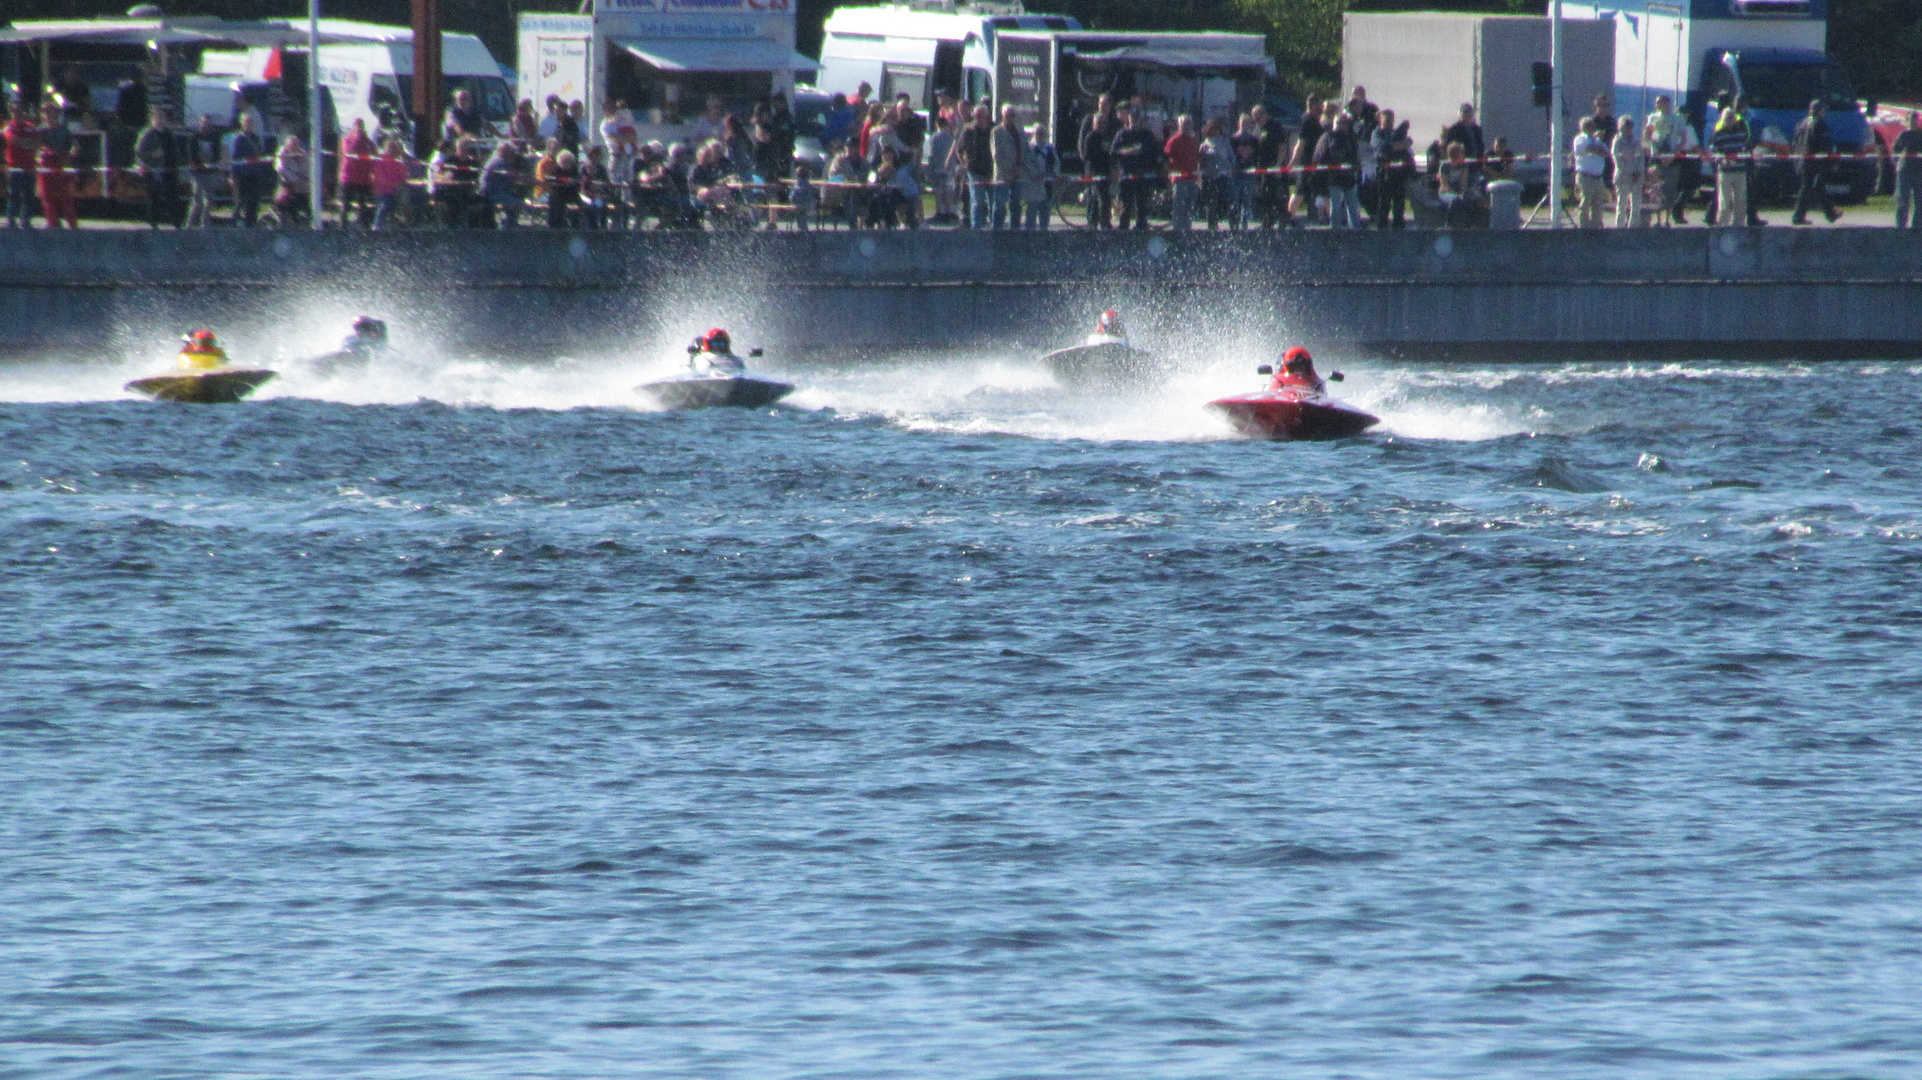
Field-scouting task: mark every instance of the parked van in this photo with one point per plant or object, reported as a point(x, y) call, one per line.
point(368, 72)
point(923, 47)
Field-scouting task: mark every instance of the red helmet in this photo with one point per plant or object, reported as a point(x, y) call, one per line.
point(715, 341)
point(1109, 318)
point(203, 337)
point(1297, 359)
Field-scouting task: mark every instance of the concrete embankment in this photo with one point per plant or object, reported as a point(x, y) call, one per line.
point(1644, 294)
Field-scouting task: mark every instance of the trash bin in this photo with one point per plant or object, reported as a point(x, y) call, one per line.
point(1505, 204)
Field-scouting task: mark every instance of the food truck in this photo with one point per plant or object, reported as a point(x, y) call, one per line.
point(661, 60)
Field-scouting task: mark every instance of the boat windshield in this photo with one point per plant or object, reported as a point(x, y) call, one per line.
point(1774, 85)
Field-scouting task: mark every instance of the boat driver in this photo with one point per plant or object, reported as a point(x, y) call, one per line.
point(717, 352)
point(369, 336)
point(200, 352)
point(1109, 325)
point(1297, 369)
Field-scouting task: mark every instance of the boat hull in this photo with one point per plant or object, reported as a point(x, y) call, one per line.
point(1290, 415)
point(707, 392)
point(1108, 361)
point(206, 388)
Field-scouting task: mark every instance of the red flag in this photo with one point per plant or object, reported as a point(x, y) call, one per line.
point(272, 74)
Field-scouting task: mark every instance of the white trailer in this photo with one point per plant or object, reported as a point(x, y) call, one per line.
point(1426, 65)
point(662, 60)
point(923, 47)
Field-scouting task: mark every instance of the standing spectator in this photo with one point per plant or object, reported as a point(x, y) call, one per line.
point(1689, 164)
point(574, 128)
point(780, 125)
point(1663, 135)
point(162, 156)
point(975, 150)
point(1245, 145)
point(1468, 132)
point(203, 173)
point(1604, 117)
point(23, 143)
point(805, 196)
point(1096, 145)
point(1218, 167)
point(1301, 158)
point(389, 182)
point(550, 125)
point(1907, 152)
point(464, 117)
point(1591, 155)
point(596, 186)
point(1007, 152)
point(1040, 165)
point(290, 169)
point(1366, 116)
point(1395, 165)
point(1729, 145)
point(1813, 146)
point(1340, 154)
point(1136, 155)
point(940, 149)
point(250, 167)
point(735, 146)
point(456, 175)
point(1631, 172)
point(56, 187)
point(1272, 184)
point(838, 125)
point(1183, 153)
point(356, 175)
point(54, 130)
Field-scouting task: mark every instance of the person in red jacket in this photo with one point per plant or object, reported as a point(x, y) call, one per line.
point(1183, 152)
point(357, 152)
point(56, 188)
point(23, 143)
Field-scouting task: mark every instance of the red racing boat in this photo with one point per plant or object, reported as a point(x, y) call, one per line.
point(1295, 405)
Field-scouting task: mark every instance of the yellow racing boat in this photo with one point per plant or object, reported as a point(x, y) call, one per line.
point(206, 377)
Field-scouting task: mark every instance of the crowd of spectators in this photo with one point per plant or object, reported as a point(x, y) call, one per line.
point(1343, 164)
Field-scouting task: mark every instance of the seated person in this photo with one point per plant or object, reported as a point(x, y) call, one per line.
point(1109, 325)
point(200, 352)
point(714, 355)
point(1297, 369)
point(369, 337)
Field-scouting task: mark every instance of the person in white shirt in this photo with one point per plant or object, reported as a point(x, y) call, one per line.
point(1591, 161)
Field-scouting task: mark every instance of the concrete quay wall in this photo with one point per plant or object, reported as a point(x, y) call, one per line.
point(1641, 294)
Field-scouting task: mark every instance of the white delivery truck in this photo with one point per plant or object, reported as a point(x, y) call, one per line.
point(661, 60)
point(368, 72)
point(923, 47)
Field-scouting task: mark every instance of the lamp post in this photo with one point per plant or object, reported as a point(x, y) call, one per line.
point(316, 163)
point(1555, 148)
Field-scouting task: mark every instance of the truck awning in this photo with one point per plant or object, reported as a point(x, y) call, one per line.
point(1172, 57)
point(753, 54)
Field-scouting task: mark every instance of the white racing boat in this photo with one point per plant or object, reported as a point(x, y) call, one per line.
point(716, 378)
point(1106, 355)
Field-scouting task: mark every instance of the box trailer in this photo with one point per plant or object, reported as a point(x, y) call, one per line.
point(1426, 65)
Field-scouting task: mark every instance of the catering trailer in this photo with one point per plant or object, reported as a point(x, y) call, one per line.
point(1060, 75)
point(661, 60)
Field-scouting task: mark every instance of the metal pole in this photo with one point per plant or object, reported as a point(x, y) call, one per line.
point(1556, 151)
point(316, 163)
point(427, 104)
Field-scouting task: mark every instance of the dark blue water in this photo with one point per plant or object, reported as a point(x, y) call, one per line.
point(969, 728)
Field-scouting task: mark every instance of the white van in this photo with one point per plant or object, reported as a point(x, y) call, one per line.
point(922, 47)
point(368, 71)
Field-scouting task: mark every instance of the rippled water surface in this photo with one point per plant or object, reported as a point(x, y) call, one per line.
point(470, 720)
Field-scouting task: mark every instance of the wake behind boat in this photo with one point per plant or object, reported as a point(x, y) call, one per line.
point(205, 376)
point(716, 378)
point(1106, 354)
point(1295, 405)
